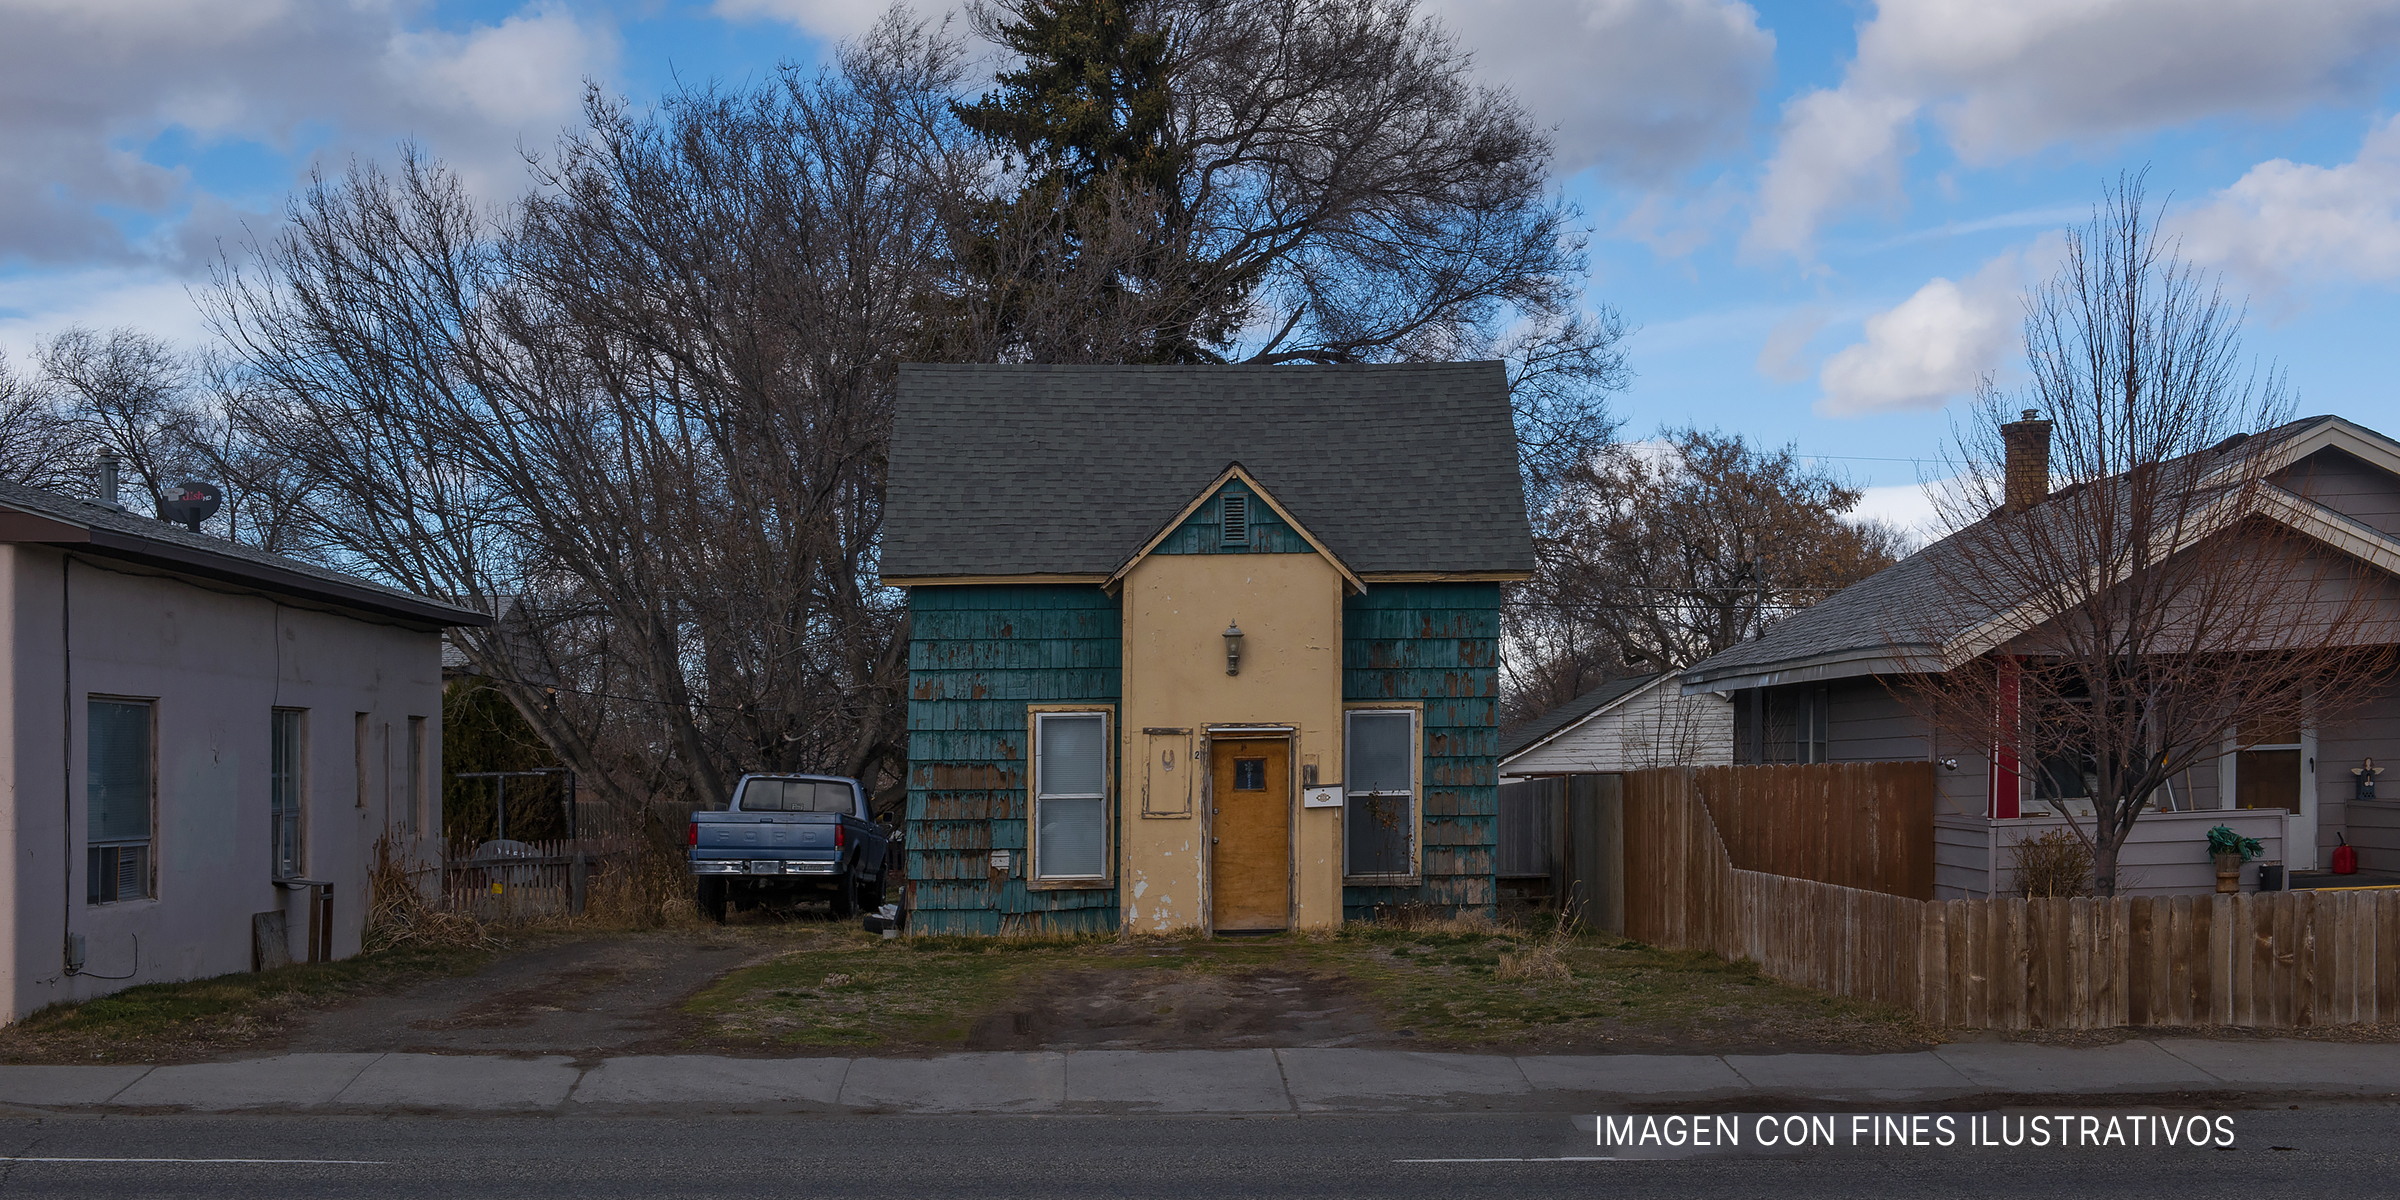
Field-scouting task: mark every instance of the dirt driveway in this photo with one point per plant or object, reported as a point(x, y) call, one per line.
point(781, 986)
point(586, 996)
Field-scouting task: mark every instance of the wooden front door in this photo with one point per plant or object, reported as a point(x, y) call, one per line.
point(1250, 822)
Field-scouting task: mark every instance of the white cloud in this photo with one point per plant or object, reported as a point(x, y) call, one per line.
point(2284, 221)
point(835, 19)
point(2003, 80)
point(87, 85)
point(34, 307)
point(1931, 348)
point(1638, 88)
point(1907, 505)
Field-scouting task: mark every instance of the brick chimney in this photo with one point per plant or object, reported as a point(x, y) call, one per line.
point(2028, 465)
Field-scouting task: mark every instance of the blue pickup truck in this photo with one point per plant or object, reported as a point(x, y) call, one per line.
point(790, 837)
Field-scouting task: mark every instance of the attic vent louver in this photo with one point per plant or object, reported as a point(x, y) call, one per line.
point(1237, 520)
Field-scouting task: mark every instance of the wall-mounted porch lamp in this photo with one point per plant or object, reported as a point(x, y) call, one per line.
point(1233, 649)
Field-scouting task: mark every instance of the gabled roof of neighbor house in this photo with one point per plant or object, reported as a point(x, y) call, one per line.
point(32, 515)
point(1534, 731)
point(1855, 631)
point(1070, 471)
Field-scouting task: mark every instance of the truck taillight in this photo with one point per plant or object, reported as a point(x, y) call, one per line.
point(693, 837)
point(837, 837)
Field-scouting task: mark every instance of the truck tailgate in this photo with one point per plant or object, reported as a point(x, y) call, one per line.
point(744, 832)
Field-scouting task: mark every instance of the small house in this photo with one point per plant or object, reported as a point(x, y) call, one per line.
point(1204, 647)
point(1829, 685)
point(1628, 724)
point(201, 747)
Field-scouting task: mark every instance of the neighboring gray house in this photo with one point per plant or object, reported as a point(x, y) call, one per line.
point(1628, 724)
point(195, 735)
point(1813, 690)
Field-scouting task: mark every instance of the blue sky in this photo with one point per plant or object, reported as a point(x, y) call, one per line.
point(1819, 217)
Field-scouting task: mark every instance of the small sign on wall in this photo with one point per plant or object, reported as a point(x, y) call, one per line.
point(1321, 797)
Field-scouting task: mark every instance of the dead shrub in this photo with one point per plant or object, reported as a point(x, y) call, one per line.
point(1417, 916)
point(649, 887)
point(1544, 961)
point(399, 913)
point(2054, 866)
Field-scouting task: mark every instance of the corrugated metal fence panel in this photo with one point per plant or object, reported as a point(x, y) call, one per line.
point(1438, 643)
point(977, 655)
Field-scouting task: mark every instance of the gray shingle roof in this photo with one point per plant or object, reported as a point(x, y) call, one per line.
point(1009, 470)
point(1861, 629)
point(1516, 738)
point(117, 533)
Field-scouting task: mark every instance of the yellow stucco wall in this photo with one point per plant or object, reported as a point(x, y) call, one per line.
point(1176, 607)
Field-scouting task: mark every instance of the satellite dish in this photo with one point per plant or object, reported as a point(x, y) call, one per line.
point(192, 503)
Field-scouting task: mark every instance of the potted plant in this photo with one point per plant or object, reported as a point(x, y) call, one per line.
point(2231, 850)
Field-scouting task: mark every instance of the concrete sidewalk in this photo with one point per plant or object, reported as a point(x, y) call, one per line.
point(1194, 1081)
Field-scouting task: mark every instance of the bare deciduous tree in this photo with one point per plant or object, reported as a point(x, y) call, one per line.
point(1660, 555)
point(129, 392)
point(2105, 638)
point(37, 445)
point(646, 411)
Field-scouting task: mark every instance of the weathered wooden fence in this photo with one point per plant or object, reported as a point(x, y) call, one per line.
point(520, 880)
point(1860, 825)
point(2269, 959)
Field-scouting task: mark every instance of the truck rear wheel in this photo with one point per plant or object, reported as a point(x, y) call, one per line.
point(845, 896)
point(712, 900)
point(870, 896)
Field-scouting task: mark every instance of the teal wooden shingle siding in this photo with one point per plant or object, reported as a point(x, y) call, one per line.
point(977, 656)
point(1438, 643)
point(1204, 531)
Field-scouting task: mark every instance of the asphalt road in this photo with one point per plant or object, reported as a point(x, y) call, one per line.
point(2316, 1150)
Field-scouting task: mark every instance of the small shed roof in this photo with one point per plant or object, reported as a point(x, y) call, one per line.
point(29, 514)
point(1525, 735)
point(1069, 470)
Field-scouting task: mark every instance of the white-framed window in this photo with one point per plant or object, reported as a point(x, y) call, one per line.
point(2268, 768)
point(287, 788)
point(1379, 816)
point(1070, 795)
point(120, 794)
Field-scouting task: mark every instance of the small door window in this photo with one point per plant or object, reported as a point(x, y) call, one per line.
point(1249, 774)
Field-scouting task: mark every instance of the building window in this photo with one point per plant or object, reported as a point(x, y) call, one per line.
point(358, 737)
point(119, 791)
point(414, 797)
point(1379, 819)
point(1776, 726)
point(1070, 795)
point(286, 760)
point(2266, 772)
